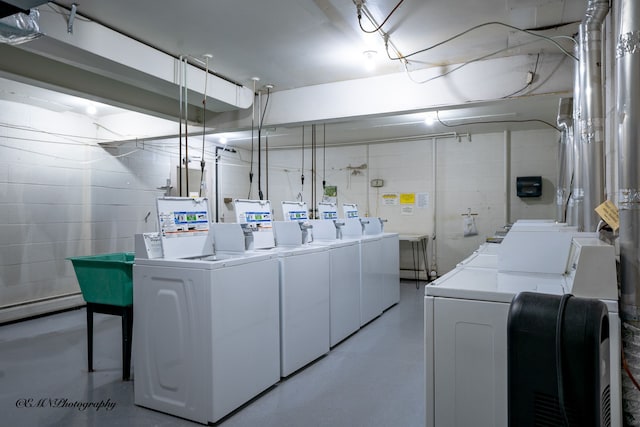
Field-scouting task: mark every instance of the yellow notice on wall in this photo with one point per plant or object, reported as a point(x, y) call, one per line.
point(609, 213)
point(407, 198)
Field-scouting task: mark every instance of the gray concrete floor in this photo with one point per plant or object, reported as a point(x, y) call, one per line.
point(373, 378)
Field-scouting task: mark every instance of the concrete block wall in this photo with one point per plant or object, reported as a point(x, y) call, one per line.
point(63, 194)
point(472, 175)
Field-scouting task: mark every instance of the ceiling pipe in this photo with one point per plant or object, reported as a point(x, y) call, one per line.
point(628, 108)
point(592, 110)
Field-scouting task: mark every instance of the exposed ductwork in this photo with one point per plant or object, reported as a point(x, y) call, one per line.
point(12, 7)
point(565, 156)
point(592, 111)
point(99, 63)
point(575, 213)
point(628, 110)
point(20, 27)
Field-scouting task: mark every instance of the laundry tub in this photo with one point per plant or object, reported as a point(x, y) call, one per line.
point(107, 287)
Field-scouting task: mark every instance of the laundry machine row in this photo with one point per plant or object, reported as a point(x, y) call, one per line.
point(466, 313)
point(217, 327)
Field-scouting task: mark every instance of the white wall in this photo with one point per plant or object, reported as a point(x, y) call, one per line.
point(471, 175)
point(64, 195)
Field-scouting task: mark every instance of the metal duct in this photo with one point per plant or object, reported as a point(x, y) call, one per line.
point(628, 109)
point(565, 157)
point(592, 101)
point(20, 28)
point(574, 205)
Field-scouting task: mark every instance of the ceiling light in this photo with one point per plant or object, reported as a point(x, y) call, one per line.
point(223, 140)
point(91, 109)
point(430, 119)
point(369, 59)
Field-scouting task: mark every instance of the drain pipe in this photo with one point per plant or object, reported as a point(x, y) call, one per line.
point(592, 119)
point(628, 108)
point(565, 156)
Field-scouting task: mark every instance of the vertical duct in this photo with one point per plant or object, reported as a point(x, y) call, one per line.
point(565, 157)
point(628, 109)
point(592, 118)
point(574, 206)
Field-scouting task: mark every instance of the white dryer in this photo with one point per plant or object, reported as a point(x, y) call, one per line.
point(466, 313)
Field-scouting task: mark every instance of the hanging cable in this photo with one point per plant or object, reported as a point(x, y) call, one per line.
point(253, 115)
point(260, 124)
point(324, 156)
point(494, 121)
point(204, 124)
point(186, 127)
point(259, 146)
point(464, 64)
point(359, 9)
point(549, 39)
point(529, 81)
point(266, 162)
point(180, 132)
point(314, 171)
point(302, 168)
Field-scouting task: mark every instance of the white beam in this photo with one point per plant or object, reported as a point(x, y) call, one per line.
point(100, 51)
point(484, 81)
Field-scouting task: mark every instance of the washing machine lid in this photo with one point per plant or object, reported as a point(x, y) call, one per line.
point(209, 262)
point(184, 226)
point(480, 260)
point(284, 251)
point(485, 284)
point(324, 230)
point(489, 248)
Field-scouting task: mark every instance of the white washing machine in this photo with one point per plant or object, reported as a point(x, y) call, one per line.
point(303, 287)
point(466, 313)
point(390, 261)
point(486, 256)
point(372, 266)
point(206, 327)
point(371, 270)
point(344, 268)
